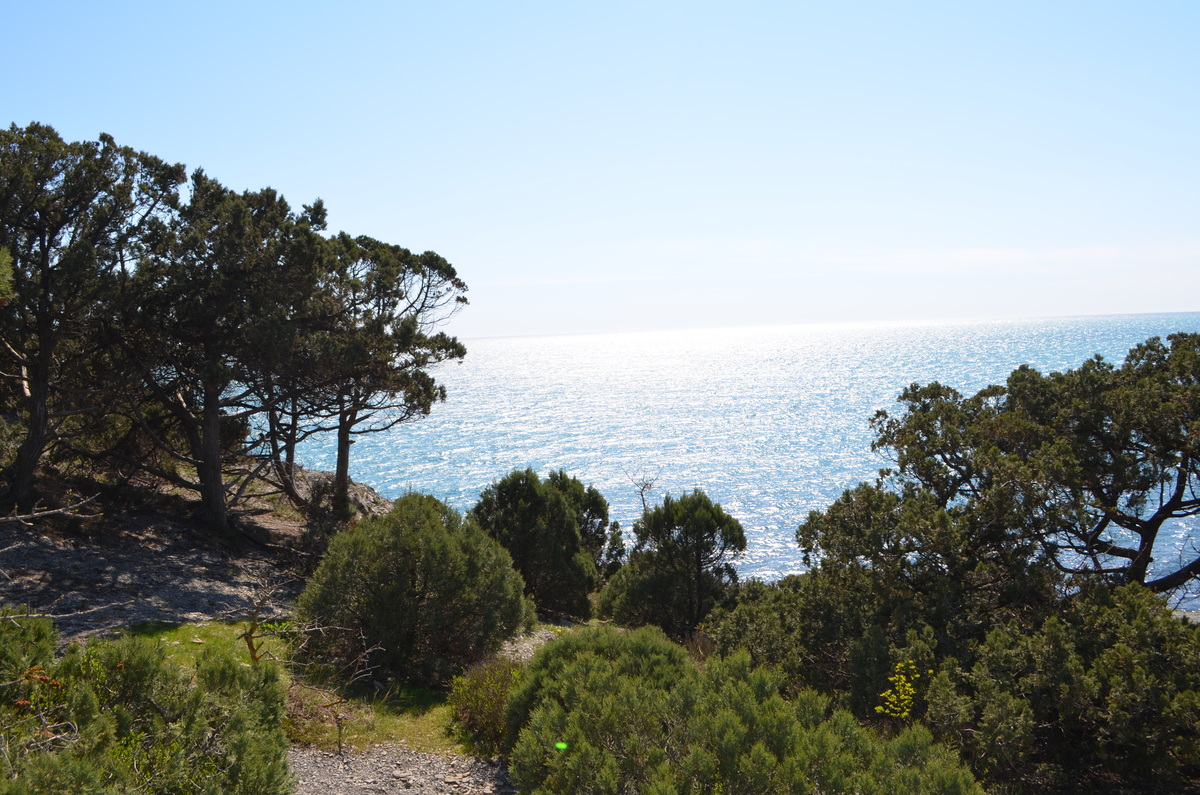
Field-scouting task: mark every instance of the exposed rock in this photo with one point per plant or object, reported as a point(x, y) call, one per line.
point(364, 500)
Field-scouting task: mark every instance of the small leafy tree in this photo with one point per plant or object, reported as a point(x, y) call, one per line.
point(544, 529)
point(989, 556)
point(387, 303)
point(419, 592)
point(887, 565)
point(680, 568)
point(1085, 468)
point(479, 698)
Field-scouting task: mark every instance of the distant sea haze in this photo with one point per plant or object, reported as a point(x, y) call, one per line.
point(771, 422)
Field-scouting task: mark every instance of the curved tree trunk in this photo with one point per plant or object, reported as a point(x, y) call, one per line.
point(341, 476)
point(208, 467)
point(37, 434)
point(29, 454)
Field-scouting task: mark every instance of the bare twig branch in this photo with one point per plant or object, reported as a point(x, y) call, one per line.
point(16, 616)
point(67, 510)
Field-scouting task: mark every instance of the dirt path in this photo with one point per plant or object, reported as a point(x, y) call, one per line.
point(394, 769)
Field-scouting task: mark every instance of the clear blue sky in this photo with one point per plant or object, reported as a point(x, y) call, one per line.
point(639, 165)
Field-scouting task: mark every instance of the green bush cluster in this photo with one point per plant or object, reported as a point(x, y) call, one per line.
point(118, 717)
point(419, 592)
point(607, 711)
point(1109, 685)
point(1007, 552)
point(837, 630)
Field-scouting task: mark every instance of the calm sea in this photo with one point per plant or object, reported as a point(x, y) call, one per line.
point(770, 422)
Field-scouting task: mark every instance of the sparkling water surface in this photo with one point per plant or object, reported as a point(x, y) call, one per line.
point(771, 422)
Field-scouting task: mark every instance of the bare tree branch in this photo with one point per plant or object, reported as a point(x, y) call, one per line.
point(68, 510)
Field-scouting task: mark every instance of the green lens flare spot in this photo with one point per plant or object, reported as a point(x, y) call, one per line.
point(561, 746)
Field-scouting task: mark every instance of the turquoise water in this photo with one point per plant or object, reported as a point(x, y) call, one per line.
point(770, 422)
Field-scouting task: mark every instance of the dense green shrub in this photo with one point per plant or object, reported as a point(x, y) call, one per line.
point(829, 629)
point(800, 625)
point(606, 711)
point(1106, 686)
point(479, 698)
point(118, 717)
point(680, 568)
point(1109, 687)
point(549, 528)
point(895, 577)
point(419, 592)
point(910, 559)
point(24, 643)
point(644, 655)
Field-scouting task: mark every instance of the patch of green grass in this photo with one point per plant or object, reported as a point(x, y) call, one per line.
point(326, 718)
point(185, 642)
